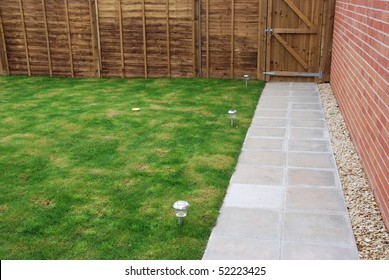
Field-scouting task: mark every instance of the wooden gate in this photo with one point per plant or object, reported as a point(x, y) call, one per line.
point(294, 40)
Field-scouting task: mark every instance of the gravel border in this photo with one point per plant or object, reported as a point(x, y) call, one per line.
point(370, 233)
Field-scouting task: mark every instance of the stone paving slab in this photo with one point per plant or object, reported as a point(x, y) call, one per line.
point(309, 133)
point(274, 105)
point(315, 199)
point(307, 123)
point(263, 144)
point(285, 200)
point(267, 132)
point(306, 106)
point(250, 196)
point(237, 248)
point(249, 222)
point(258, 175)
point(305, 251)
point(318, 227)
point(308, 145)
point(266, 122)
point(264, 158)
point(311, 160)
point(307, 114)
point(311, 177)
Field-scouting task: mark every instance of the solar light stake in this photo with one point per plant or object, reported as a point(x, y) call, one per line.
point(232, 114)
point(246, 77)
point(181, 208)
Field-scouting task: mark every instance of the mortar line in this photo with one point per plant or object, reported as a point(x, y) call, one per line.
point(286, 150)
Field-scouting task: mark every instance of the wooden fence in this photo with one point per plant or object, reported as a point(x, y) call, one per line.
point(145, 38)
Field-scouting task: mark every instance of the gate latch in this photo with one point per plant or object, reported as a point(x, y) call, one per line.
point(269, 30)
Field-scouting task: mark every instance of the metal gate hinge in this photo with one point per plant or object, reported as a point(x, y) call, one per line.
point(269, 30)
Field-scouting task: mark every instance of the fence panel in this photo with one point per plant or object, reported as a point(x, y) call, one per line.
point(141, 38)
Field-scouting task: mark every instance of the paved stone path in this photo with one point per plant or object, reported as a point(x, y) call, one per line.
point(285, 200)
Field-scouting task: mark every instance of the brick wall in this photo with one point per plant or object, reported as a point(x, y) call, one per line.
point(360, 78)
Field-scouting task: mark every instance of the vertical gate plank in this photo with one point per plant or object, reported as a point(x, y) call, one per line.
point(169, 70)
point(261, 48)
point(314, 39)
point(274, 47)
point(310, 39)
point(315, 43)
point(268, 36)
point(323, 35)
point(69, 38)
point(47, 38)
point(25, 38)
point(3, 50)
point(307, 46)
point(326, 40)
point(121, 38)
point(297, 41)
point(144, 37)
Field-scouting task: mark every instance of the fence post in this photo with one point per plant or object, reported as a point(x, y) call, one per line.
point(25, 37)
point(232, 37)
point(144, 37)
point(195, 39)
point(198, 39)
point(95, 32)
point(168, 39)
point(47, 38)
point(69, 38)
point(207, 36)
point(123, 70)
point(4, 68)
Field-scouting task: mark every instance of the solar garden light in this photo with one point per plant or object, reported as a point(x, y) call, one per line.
point(181, 208)
point(246, 77)
point(232, 114)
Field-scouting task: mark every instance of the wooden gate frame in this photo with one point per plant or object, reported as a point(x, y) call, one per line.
point(324, 32)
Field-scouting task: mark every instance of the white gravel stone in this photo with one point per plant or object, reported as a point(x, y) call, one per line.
point(370, 233)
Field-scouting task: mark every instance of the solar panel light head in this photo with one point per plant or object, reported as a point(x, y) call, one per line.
point(232, 113)
point(181, 208)
point(246, 77)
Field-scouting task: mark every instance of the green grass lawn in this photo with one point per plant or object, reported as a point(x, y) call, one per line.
point(82, 176)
